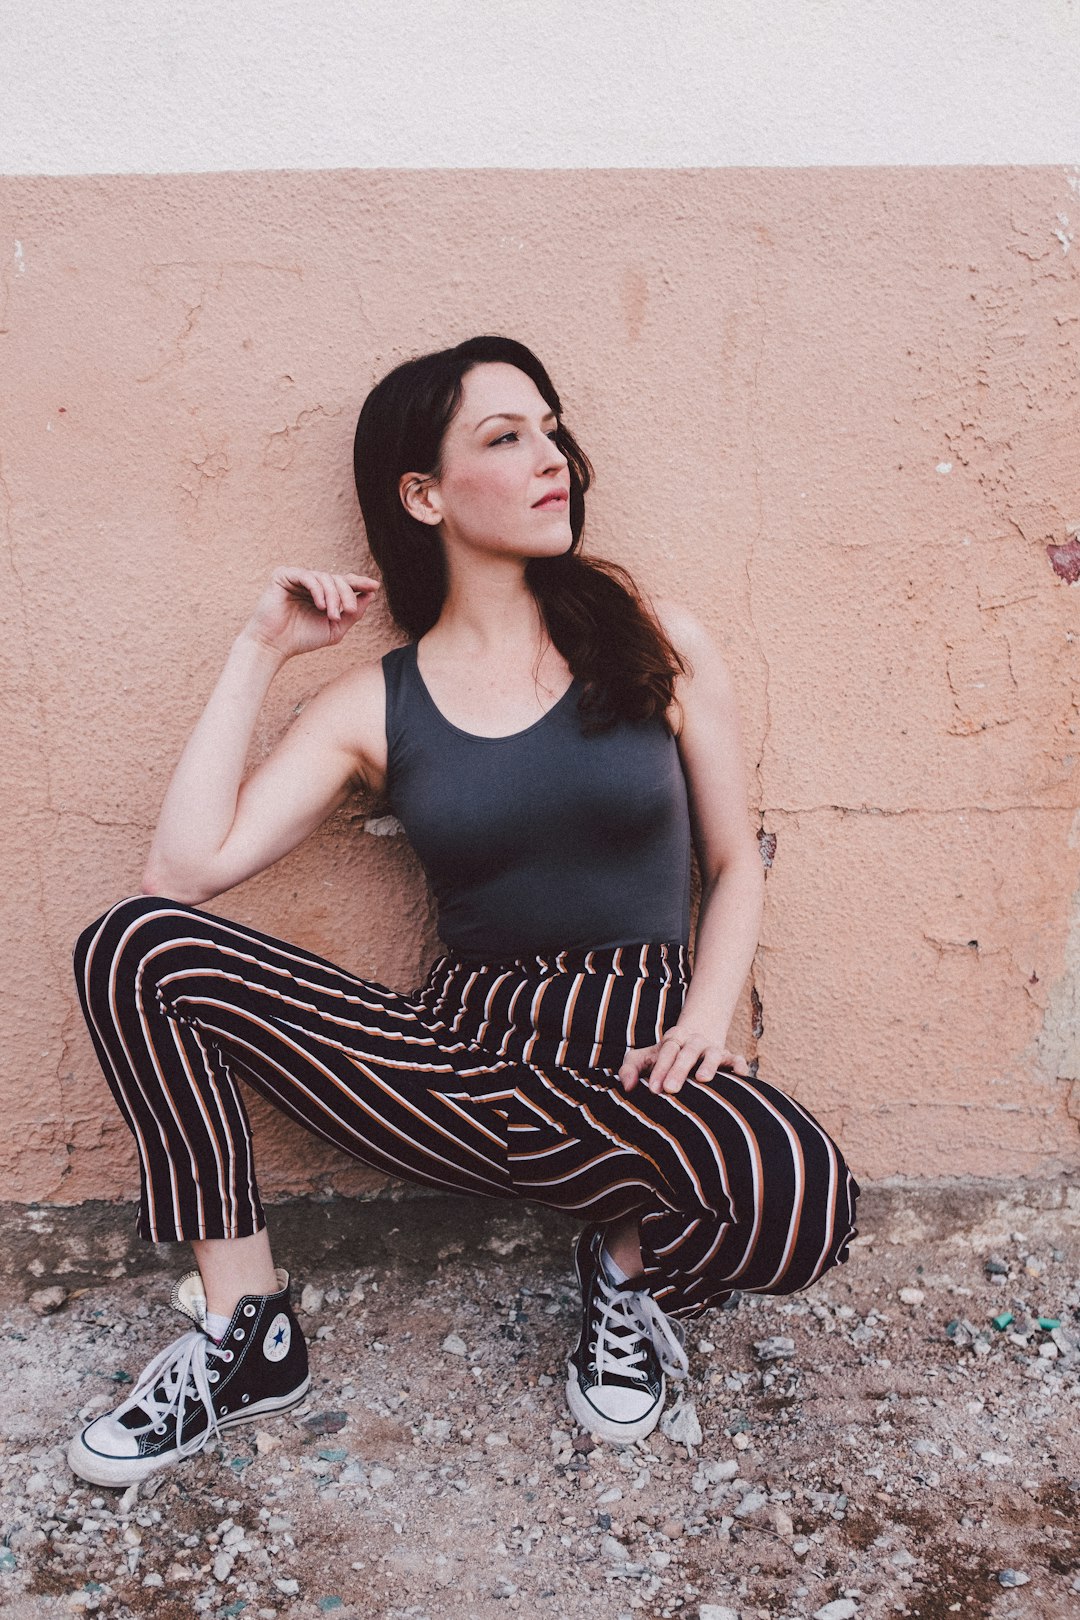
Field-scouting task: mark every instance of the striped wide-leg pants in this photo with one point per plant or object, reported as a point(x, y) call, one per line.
point(492, 1078)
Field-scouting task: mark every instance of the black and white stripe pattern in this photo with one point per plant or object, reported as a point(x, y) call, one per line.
point(492, 1078)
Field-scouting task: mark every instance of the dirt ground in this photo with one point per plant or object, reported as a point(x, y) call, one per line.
point(878, 1445)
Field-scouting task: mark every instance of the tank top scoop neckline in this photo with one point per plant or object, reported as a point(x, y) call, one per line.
point(475, 736)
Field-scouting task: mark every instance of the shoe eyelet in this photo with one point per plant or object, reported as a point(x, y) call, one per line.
point(159, 1428)
point(226, 1355)
point(249, 1310)
point(213, 1375)
point(239, 1334)
point(244, 1399)
point(224, 1409)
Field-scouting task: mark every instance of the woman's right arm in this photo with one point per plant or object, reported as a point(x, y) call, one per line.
point(215, 828)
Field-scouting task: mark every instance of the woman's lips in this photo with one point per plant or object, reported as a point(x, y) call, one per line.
point(554, 500)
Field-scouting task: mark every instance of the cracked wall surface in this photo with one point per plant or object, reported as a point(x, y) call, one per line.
point(835, 410)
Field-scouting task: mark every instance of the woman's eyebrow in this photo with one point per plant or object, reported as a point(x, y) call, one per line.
point(513, 416)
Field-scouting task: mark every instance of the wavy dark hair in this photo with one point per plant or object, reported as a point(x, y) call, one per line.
point(592, 609)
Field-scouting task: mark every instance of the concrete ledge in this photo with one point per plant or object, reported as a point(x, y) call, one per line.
point(88, 1245)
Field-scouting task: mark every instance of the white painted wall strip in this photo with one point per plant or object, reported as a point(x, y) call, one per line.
point(134, 86)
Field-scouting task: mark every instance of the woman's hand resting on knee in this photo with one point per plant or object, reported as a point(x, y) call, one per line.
point(666, 1065)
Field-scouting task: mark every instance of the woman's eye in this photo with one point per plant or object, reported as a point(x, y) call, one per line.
point(553, 434)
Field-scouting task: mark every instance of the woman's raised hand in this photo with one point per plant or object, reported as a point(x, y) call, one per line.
point(303, 609)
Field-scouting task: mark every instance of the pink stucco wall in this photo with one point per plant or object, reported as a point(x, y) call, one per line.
point(836, 410)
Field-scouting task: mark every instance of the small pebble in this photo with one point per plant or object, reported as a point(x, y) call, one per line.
point(455, 1345)
point(717, 1611)
point(838, 1609)
point(776, 1348)
point(911, 1296)
point(1012, 1577)
point(47, 1300)
point(680, 1424)
point(325, 1422)
point(311, 1300)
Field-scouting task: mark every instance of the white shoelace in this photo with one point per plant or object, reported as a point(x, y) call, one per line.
point(621, 1321)
point(181, 1370)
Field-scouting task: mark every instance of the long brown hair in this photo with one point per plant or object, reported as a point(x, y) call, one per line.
point(593, 611)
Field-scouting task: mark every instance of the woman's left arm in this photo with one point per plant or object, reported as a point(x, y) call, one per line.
point(732, 876)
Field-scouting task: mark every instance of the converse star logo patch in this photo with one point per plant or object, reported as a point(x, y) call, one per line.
point(278, 1337)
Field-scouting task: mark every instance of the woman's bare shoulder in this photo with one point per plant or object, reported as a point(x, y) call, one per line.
point(683, 627)
point(352, 706)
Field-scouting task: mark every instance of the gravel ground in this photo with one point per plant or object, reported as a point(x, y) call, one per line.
point(888, 1442)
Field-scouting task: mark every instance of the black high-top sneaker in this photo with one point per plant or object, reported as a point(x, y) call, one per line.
point(197, 1387)
point(616, 1387)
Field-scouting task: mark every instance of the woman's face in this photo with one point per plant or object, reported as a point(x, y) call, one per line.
point(500, 460)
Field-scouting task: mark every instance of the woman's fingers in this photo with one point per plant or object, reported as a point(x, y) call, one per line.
point(636, 1060)
point(363, 583)
point(678, 1054)
point(339, 596)
point(668, 1063)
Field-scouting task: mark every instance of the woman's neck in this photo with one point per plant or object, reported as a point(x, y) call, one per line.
point(489, 612)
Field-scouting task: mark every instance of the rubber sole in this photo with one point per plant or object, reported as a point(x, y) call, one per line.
point(98, 1469)
point(606, 1428)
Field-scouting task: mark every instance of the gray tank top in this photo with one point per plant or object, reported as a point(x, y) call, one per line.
point(544, 840)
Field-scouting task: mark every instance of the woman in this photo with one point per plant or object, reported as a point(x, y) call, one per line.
point(550, 744)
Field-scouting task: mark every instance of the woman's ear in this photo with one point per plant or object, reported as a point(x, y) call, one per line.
point(419, 496)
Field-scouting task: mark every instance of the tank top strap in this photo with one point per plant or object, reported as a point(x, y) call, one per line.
point(398, 665)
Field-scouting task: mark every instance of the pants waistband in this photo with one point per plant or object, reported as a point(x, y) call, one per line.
point(639, 960)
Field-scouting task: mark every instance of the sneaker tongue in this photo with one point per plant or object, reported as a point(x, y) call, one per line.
point(189, 1297)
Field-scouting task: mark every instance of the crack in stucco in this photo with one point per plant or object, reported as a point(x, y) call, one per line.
point(757, 529)
point(209, 279)
point(192, 310)
point(278, 449)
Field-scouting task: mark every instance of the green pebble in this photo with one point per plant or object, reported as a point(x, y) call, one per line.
point(333, 1453)
point(1001, 1322)
point(121, 1378)
point(1049, 1323)
point(234, 1608)
point(240, 1463)
point(7, 1559)
point(328, 1603)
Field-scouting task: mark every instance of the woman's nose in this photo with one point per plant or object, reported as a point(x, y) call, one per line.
point(551, 455)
